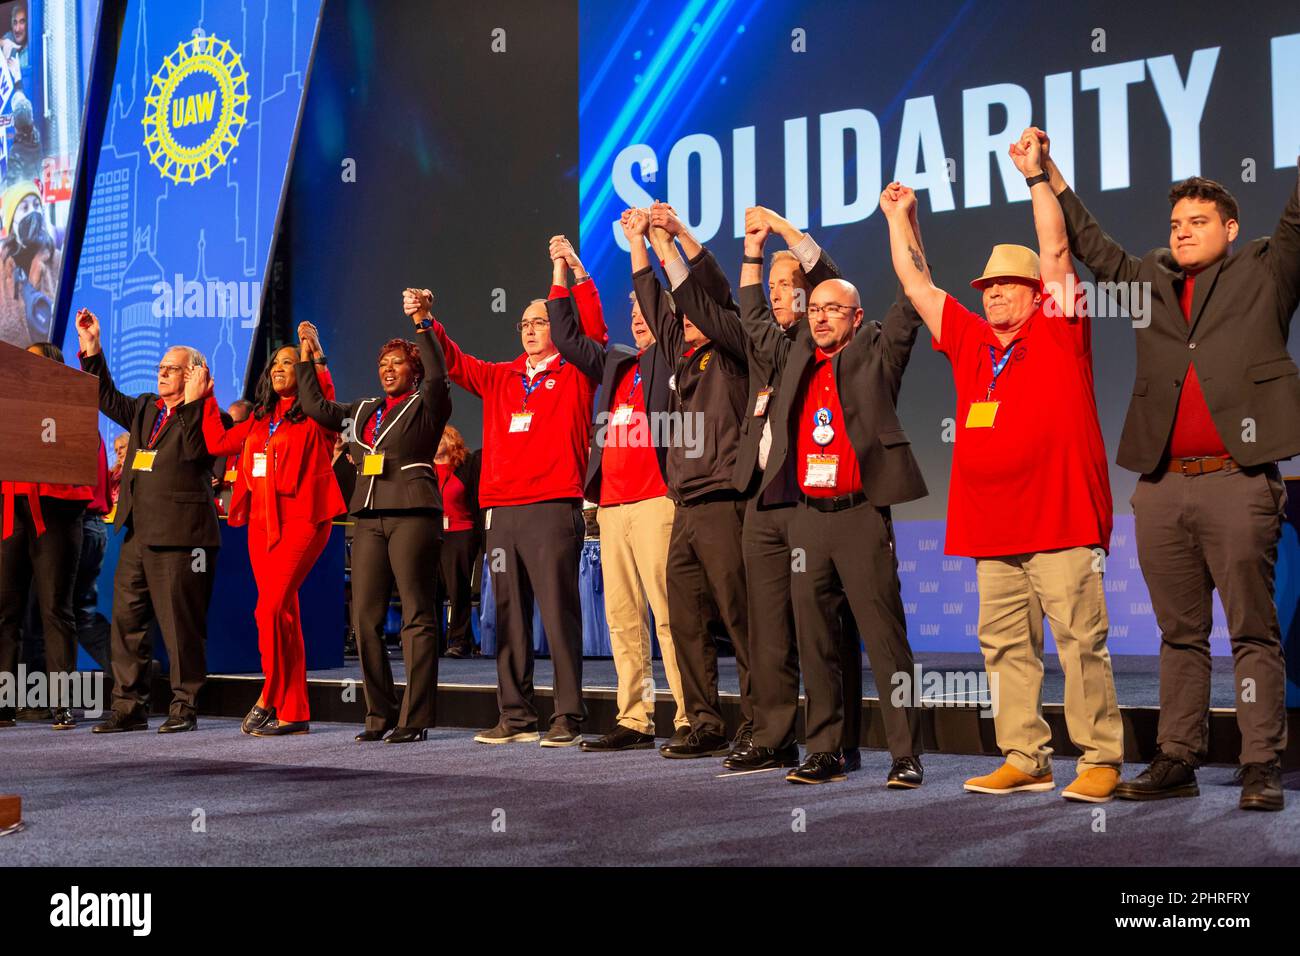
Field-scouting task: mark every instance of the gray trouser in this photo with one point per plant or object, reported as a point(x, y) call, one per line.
point(1196, 534)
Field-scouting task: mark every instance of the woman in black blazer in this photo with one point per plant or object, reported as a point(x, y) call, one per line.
point(398, 531)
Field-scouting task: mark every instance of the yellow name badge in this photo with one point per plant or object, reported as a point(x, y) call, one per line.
point(143, 460)
point(231, 475)
point(373, 464)
point(521, 421)
point(981, 414)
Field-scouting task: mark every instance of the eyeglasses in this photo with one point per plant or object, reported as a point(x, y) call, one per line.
point(170, 370)
point(831, 311)
point(527, 324)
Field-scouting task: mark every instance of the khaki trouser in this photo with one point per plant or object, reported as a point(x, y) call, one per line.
point(1071, 593)
point(634, 562)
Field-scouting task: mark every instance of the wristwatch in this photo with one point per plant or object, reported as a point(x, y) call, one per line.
point(424, 324)
point(752, 260)
point(1042, 177)
point(321, 361)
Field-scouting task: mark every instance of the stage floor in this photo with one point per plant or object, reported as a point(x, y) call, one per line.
point(1137, 678)
point(320, 799)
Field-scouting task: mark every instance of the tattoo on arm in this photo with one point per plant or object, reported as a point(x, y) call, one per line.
point(916, 258)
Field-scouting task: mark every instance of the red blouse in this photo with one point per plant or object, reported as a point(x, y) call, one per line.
point(297, 482)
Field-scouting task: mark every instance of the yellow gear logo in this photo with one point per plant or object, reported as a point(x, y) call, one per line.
point(215, 97)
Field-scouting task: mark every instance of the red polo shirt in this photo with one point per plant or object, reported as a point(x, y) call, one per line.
point(1194, 434)
point(629, 466)
point(819, 391)
point(1037, 480)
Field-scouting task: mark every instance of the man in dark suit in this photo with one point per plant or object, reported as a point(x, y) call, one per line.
point(398, 509)
point(839, 451)
point(169, 556)
point(1216, 403)
point(626, 474)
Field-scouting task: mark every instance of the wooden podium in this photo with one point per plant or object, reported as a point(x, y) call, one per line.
point(49, 420)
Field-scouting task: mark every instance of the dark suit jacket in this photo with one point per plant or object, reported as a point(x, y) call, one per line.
point(720, 318)
point(605, 364)
point(408, 438)
point(1242, 308)
point(469, 473)
point(175, 499)
point(868, 374)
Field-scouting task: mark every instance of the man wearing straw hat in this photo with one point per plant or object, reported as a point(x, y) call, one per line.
point(1029, 498)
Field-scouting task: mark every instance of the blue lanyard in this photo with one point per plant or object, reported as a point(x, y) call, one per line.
point(998, 367)
point(636, 381)
point(532, 386)
point(270, 432)
point(158, 424)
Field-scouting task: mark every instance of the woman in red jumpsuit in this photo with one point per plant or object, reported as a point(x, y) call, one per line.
point(285, 491)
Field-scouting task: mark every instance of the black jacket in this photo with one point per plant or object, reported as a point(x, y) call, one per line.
point(605, 365)
point(408, 438)
point(868, 375)
point(176, 501)
point(1242, 308)
point(719, 318)
point(708, 399)
point(468, 474)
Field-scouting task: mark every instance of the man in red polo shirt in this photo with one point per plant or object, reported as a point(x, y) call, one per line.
point(1029, 498)
point(536, 411)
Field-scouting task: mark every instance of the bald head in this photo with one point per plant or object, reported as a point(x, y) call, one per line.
point(834, 314)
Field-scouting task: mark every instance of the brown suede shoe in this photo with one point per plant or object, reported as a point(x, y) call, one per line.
point(1094, 785)
point(1007, 779)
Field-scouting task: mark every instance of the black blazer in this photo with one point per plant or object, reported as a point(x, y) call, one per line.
point(868, 374)
point(176, 500)
point(468, 473)
point(408, 438)
point(605, 364)
point(719, 318)
point(1242, 309)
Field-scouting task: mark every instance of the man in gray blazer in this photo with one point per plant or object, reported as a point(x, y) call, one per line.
point(1216, 403)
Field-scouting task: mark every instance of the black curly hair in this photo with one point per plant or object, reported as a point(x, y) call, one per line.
point(265, 400)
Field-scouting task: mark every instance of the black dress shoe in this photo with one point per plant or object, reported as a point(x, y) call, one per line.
point(63, 719)
point(119, 722)
point(1166, 777)
point(742, 745)
point(460, 652)
point(620, 738)
point(680, 734)
point(698, 743)
point(1261, 786)
point(282, 728)
point(905, 774)
point(257, 717)
point(818, 768)
point(406, 735)
point(176, 724)
point(370, 736)
point(852, 760)
point(763, 758)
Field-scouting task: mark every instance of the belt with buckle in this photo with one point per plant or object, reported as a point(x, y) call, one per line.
point(838, 503)
point(1200, 466)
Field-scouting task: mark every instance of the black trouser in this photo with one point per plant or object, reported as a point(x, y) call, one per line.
point(45, 565)
point(849, 555)
point(533, 552)
point(174, 587)
point(455, 584)
point(397, 547)
point(706, 578)
point(773, 651)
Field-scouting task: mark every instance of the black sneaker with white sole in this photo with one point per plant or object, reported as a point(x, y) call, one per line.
point(503, 734)
point(563, 733)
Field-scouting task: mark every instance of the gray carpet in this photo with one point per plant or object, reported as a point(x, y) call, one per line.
point(320, 799)
point(1137, 678)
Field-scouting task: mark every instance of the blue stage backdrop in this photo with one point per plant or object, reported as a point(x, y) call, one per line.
point(187, 192)
point(811, 106)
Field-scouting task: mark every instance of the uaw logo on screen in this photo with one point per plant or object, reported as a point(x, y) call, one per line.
point(195, 109)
